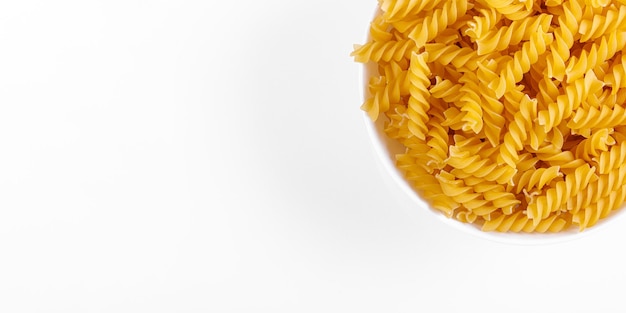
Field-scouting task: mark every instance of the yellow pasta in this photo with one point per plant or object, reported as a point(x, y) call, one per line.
point(512, 113)
point(418, 103)
point(503, 37)
point(537, 178)
point(436, 22)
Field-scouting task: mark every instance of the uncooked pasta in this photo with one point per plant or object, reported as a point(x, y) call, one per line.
point(512, 114)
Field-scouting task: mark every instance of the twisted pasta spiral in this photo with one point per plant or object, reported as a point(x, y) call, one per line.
point(603, 196)
point(493, 108)
point(428, 185)
point(599, 25)
point(464, 59)
point(597, 54)
point(470, 103)
point(475, 165)
point(396, 10)
point(503, 37)
point(396, 127)
point(611, 159)
point(513, 70)
point(501, 200)
point(445, 89)
point(373, 105)
point(537, 178)
point(567, 102)
point(591, 147)
point(601, 209)
point(483, 23)
point(378, 29)
point(519, 222)
point(512, 9)
point(565, 159)
point(438, 140)
point(591, 117)
point(518, 132)
point(387, 51)
point(438, 21)
point(456, 189)
point(481, 199)
point(563, 39)
point(418, 102)
point(556, 196)
point(616, 77)
point(386, 91)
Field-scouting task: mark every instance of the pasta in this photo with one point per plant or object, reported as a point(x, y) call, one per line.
point(512, 113)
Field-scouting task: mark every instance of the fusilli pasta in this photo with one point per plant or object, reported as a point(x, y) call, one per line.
point(512, 113)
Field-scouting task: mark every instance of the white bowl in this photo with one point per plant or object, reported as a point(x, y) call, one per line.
point(386, 149)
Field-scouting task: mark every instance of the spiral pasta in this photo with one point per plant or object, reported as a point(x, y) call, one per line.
point(566, 28)
point(503, 37)
point(482, 23)
point(599, 52)
point(518, 131)
point(462, 58)
point(611, 159)
point(418, 104)
point(467, 164)
point(572, 97)
point(514, 68)
point(512, 9)
point(597, 142)
point(436, 22)
point(397, 10)
point(600, 25)
point(386, 51)
point(557, 195)
point(537, 178)
point(512, 113)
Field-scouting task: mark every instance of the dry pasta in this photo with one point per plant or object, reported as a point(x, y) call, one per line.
point(512, 113)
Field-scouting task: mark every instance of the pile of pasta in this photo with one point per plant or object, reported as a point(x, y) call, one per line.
point(512, 112)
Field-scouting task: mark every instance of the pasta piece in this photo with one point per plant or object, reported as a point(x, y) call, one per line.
point(471, 104)
point(464, 59)
point(438, 140)
point(517, 134)
point(599, 25)
point(611, 159)
point(568, 101)
point(558, 195)
point(395, 10)
point(503, 37)
point(493, 108)
point(383, 51)
point(537, 178)
point(616, 77)
point(519, 222)
point(512, 9)
point(591, 147)
point(479, 167)
point(600, 51)
point(436, 22)
point(483, 23)
point(418, 102)
point(379, 29)
point(512, 71)
point(564, 40)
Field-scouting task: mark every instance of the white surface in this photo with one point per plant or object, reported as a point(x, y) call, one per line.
point(209, 156)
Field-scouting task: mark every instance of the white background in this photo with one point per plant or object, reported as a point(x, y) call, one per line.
point(210, 156)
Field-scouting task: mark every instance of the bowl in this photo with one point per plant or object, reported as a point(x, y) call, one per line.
point(386, 149)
